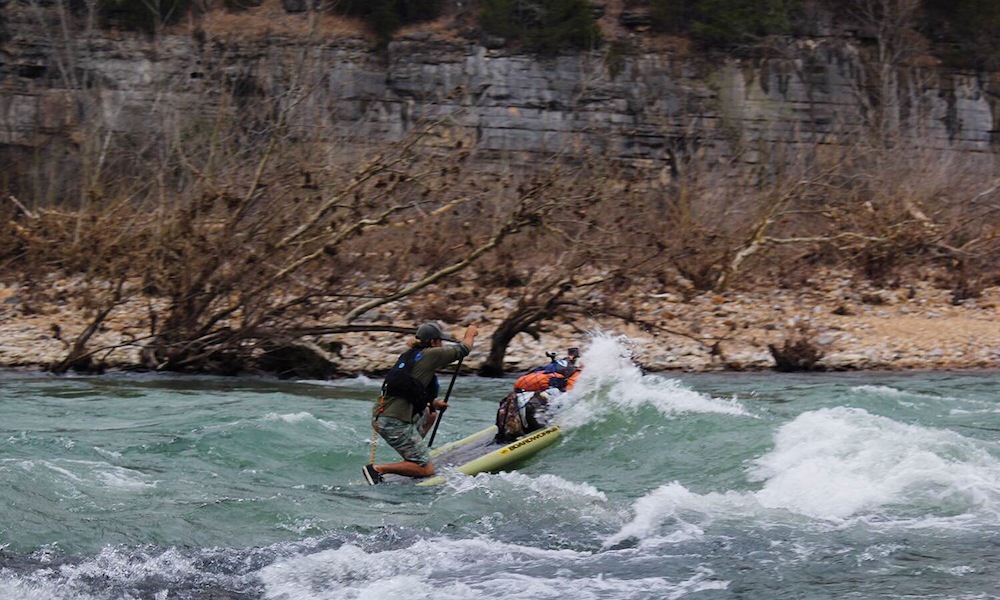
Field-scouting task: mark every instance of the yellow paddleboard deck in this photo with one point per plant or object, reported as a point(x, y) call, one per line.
point(479, 454)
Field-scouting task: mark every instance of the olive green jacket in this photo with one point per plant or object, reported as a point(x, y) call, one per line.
point(424, 369)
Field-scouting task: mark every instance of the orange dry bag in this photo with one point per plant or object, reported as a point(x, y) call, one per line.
point(536, 381)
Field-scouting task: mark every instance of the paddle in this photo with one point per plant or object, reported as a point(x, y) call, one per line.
point(454, 376)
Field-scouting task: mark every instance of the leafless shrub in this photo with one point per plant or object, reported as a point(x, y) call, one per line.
point(879, 210)
point(798, 352)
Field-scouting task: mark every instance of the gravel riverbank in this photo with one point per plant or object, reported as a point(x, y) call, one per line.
point(855, 327)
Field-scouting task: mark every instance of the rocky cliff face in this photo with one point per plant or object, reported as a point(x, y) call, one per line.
point(641, 107)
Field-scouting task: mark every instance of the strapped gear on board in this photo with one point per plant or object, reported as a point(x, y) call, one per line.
point(525, 409)
point(521, 413)
point(560, 374)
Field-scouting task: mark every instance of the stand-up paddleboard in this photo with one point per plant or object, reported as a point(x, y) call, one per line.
point(478, 453)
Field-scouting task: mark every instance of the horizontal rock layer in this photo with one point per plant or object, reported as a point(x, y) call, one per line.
point(638, 106)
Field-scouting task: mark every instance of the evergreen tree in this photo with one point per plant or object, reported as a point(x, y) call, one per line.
point(730, 22)
point(671, 16)
point(386, 16)
point(973, 26)
point(544, 26)
point(142, 16)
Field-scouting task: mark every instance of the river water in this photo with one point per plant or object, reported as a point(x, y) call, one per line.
point(705, 486)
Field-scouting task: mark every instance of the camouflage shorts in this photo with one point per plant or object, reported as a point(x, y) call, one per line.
point(405, 438)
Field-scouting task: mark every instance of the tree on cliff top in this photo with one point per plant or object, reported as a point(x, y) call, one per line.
point(724, 23)
point(971, 29)
point(544, 26)
point(386, 16)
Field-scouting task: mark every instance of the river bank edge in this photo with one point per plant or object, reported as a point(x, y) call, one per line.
point(849, 327)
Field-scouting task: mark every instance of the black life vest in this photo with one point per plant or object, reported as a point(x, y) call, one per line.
point(401, 383)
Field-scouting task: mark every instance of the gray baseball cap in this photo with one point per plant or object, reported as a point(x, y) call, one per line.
point(432, 331)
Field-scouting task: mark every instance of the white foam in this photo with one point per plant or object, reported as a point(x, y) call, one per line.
point(449, 569)
point(75, 474)
point(880, 390)
point(13, 588)
point(543, 486)
point(672, 514)
point(108, 453)
point(127, 567)
point(839, 466)
point(308, 418)
point(841, 462)
point(121, 479)
point(611, 382)
point(347, 382)
point(291, 418)
point(892, 392)
point(525, 498)
point(122, 566)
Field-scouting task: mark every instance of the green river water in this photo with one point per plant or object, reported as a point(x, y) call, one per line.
point(756, 486)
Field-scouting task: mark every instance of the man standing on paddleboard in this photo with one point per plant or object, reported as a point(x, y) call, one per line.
point(408, 406)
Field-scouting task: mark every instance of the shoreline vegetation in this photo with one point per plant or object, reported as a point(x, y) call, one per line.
point(830, 325)
point(242, 238)
point(298, 267)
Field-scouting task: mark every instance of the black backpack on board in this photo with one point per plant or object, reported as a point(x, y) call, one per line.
point(401, 383)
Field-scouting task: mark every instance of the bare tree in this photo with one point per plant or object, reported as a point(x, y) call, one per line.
point(891, 24)
point(544, 300)
point(590, 243)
